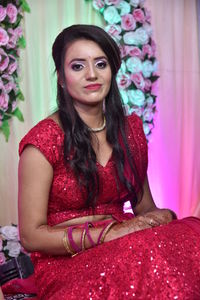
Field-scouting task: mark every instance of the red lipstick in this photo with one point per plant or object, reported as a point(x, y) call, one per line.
point(93, 87)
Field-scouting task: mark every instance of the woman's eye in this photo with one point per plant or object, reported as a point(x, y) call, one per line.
point(101, 64)
point(77, 67)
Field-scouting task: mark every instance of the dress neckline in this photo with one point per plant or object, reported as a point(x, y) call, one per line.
point(97, 162)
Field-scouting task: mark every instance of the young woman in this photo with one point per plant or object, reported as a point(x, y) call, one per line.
point(76, 170)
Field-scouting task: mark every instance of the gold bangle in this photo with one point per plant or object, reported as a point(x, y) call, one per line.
point(66, 244)
point(83, 240)
point(106, 231)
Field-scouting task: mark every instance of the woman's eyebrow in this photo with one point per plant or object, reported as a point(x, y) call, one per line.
point(83, 59)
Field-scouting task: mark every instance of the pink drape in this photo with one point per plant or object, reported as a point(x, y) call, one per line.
point(174, 160)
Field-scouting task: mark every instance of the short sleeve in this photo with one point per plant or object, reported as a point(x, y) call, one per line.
point(47, 137)
point(138, 144)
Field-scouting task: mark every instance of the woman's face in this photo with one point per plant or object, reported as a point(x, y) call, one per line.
point(87, 73)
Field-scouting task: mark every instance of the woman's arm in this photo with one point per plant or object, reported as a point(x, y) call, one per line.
point(35, 179)
point(147, 208)
point(147, 215)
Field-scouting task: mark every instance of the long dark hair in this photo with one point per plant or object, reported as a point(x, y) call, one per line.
point(78, 151)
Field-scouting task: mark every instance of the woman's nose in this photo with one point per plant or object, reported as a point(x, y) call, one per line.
point(91, 73)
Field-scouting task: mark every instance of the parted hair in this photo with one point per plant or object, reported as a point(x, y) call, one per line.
point(78, 150)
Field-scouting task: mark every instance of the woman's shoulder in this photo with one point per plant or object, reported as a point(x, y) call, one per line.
point(46, 135)
point(134, 119)
point(135, 123)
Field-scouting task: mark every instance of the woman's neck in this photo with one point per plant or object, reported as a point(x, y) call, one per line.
point(92, 116)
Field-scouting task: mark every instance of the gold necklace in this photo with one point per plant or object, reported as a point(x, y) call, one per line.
point(98, 129)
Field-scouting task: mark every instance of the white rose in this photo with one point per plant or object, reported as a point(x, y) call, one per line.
point(150, 100)
point(124, 7)
point(123, 67)
point(155, 66)
point(9, 232)
point(134, 65)
point(136, 97)
point(138, 37)
point(148, 29)
point(124, 96)
point(148, 115)
point(114, 31)
point(135, 3)
point(147, 68)
point(13, 248)
point(111, 15)
point(146, 128)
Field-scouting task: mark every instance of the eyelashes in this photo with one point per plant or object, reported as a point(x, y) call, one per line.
point(101, 64)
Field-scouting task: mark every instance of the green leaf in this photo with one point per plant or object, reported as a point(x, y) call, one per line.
point(154, 78)
point(21, 42)
point(17, 113)
point(5, 129)
point(25, 6)
point(20, 96)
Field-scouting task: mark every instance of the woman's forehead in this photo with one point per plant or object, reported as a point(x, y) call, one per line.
point(83, 49)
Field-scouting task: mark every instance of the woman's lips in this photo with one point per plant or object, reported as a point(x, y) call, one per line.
point(93, 87)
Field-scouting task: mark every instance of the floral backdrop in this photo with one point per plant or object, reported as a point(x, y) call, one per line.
point(129, 24)
point(9, 243)
point(11, 40)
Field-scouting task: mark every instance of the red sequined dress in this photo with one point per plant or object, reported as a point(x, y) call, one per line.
point(158, 263)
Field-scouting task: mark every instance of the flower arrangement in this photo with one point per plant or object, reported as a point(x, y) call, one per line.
point(129, 23)
point(9, 243)
point(11, 40)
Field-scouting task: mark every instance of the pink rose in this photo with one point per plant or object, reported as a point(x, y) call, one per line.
point(138, 15)
point(147, 15)
point(123, 50)
point(11, 12)
point(13, 38)
point(123, 81)
point(148, 85)
point(114, 30)
point(98, 4)
point(4, 60)
point(4, 101)
point(12, 68)
point(6, 78)
point(114, 2)
point(19, 31)
point(2, 13)
point(147, 50)
point(4, 38)
point(153, 47)
point(138, 80)
point(134, 51)
point(14, 105)
point(2, 258)
point(9, 87)
point(128, 22)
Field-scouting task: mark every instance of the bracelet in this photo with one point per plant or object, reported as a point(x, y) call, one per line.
point(101, 233)
point(83, 239)
point(87, 225)
point(66, 244)
point(105, 231)
point(71, 240)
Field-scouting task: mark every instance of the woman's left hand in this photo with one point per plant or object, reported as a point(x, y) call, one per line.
point(158, 217)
